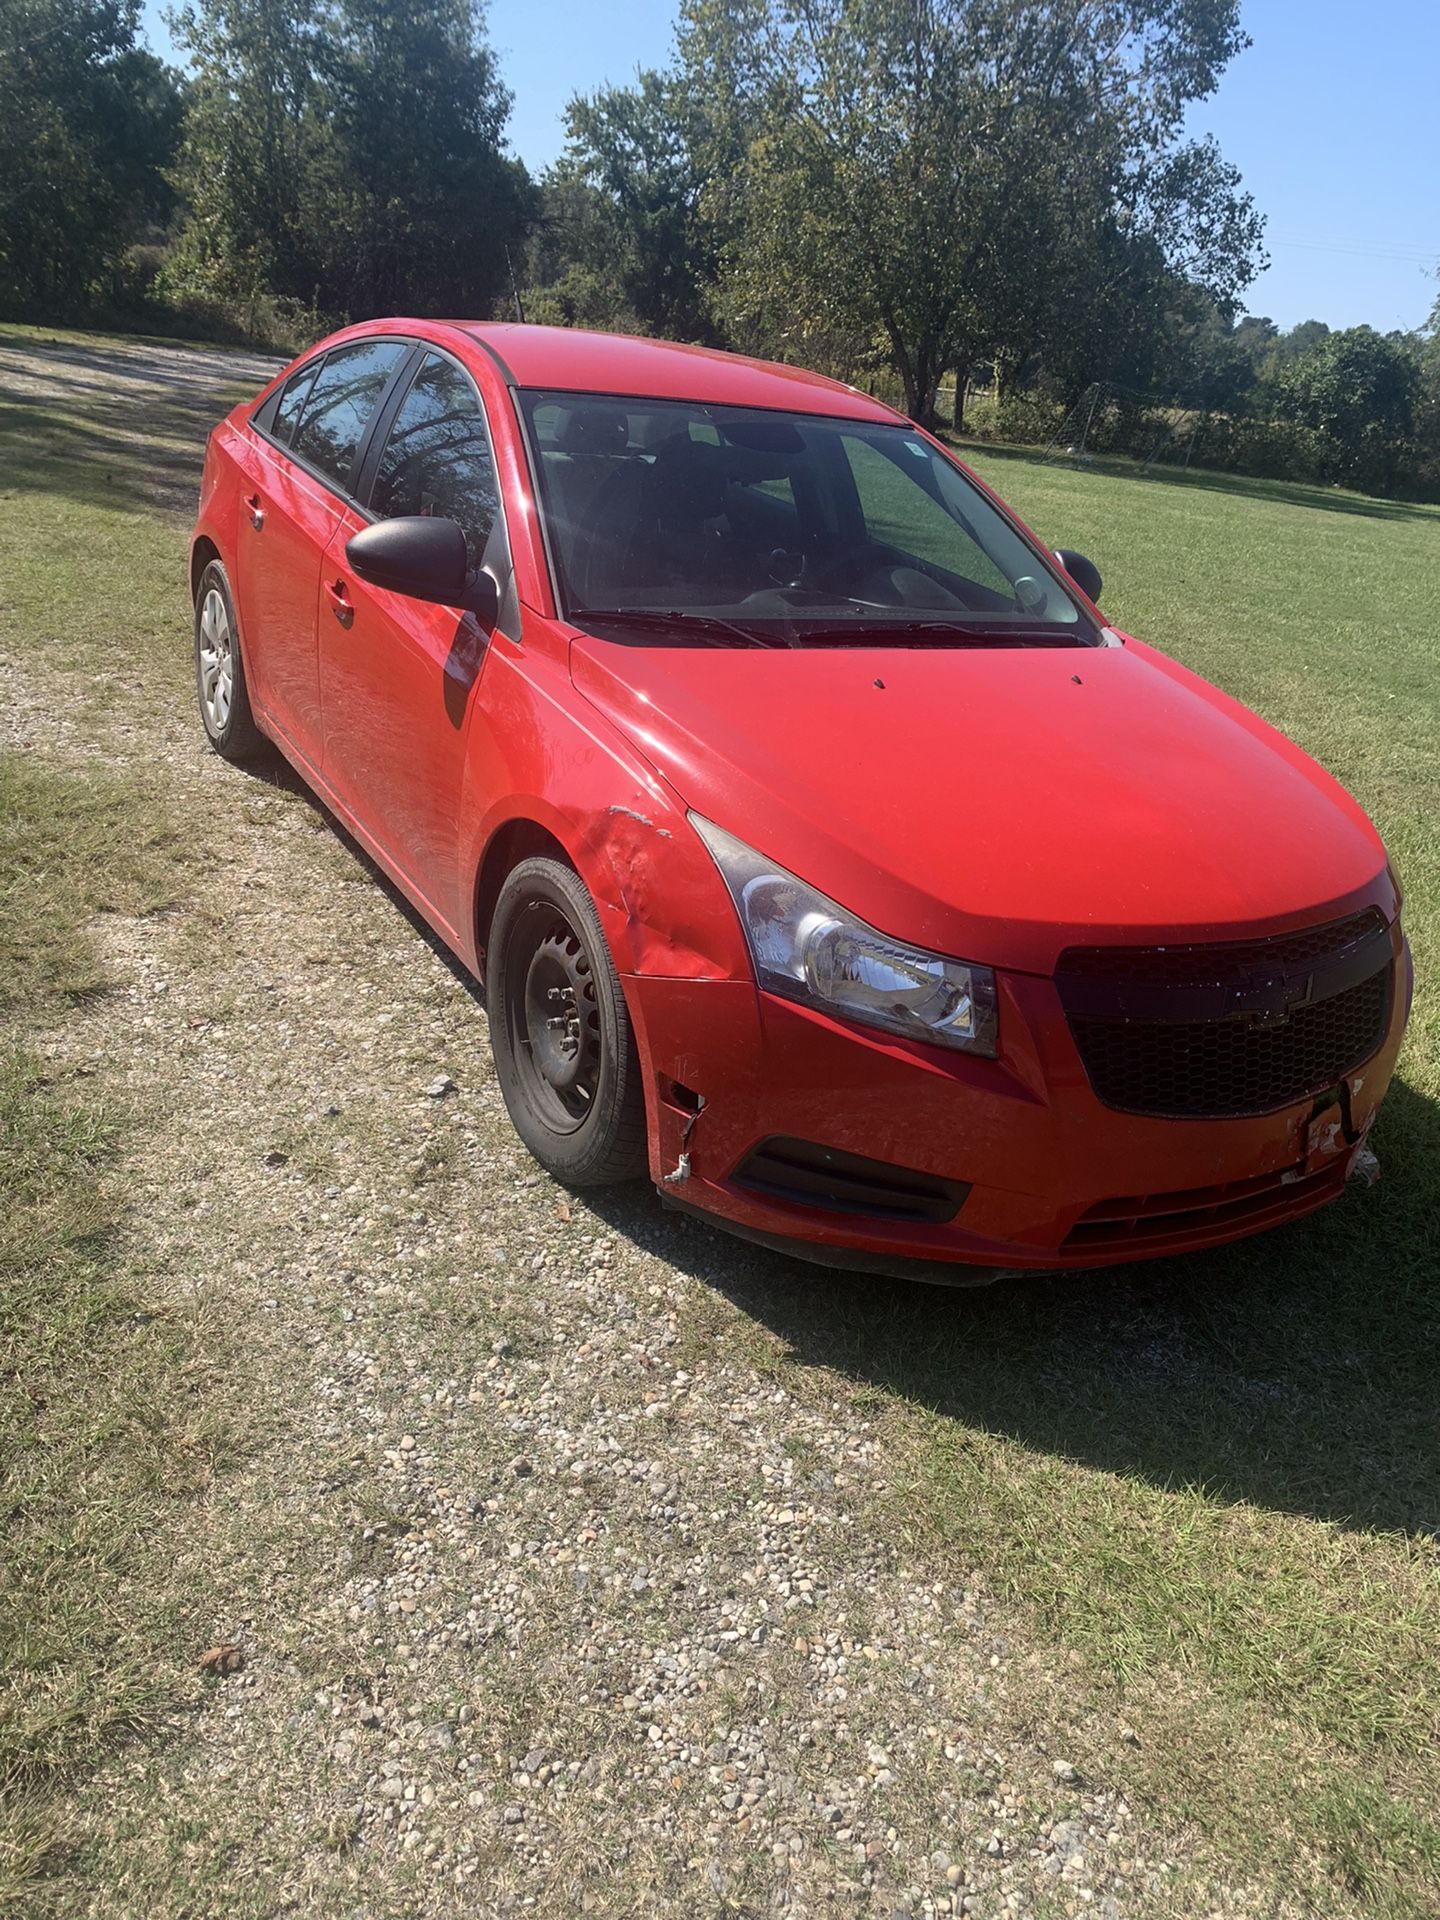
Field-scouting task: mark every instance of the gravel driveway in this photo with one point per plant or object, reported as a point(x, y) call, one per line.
point(560, 1584)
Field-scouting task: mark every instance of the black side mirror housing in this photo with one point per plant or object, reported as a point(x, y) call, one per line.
point(425, 559)
point(1083, 572)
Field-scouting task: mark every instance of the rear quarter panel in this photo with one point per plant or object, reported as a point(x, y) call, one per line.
point(215, 516)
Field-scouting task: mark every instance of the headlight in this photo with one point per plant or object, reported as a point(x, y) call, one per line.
point(806, 947)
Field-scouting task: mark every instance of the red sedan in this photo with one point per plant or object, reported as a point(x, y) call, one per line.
point(960, 934)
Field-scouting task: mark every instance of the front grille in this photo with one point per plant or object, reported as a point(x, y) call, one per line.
point(803, 1174)
point(1149, 1222)
point(1233, 1028)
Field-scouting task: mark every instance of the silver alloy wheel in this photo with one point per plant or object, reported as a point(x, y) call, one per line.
point(217, 660)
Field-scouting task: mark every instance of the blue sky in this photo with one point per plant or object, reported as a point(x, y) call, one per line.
point(1332, 116)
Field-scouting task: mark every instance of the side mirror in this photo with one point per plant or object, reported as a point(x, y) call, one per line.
point(1083, 572)
point(425, 559)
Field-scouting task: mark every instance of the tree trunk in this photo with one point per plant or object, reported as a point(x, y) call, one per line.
point(922, 390)
point(962, 388)
point(919, 370)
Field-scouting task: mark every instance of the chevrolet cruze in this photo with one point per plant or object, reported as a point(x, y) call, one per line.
point(821, 848)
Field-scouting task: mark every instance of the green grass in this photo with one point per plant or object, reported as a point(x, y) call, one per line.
point(103, 1429)
point(99, 1427)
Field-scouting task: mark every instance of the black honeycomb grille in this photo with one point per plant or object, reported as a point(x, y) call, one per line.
point(1227, 1030)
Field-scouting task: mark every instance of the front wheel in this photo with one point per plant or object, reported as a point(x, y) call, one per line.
point(560, 1031)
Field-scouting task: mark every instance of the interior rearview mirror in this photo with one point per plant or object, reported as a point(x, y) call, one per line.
point(425, 559)
point(1083, 572)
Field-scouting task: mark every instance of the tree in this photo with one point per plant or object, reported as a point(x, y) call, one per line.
point(634, 148)
point(1211, 363)
point(255, 132)
point(348, 154)
point(1427, 404)
point(88, 123)
point(966, 179)
point(419, 201)
point(1358, 389)
point(571, 275)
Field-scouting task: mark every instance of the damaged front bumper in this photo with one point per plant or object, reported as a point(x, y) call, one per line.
point(1047, 1178)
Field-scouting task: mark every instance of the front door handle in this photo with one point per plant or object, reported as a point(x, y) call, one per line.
point(340, 605)
point(255, 511)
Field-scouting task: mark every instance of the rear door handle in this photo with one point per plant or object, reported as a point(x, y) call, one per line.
point(255, 511)
point(340, 605)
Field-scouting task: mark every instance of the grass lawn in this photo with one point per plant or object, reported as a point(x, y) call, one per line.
point(1209, 1488)
point(104, 1422)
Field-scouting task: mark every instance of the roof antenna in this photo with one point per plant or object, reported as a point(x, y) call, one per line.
point(514, 290)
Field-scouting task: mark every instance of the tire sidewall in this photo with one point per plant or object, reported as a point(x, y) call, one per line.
point(573, 1157)
point(238, 735)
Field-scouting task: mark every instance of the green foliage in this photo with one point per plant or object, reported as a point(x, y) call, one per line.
point(418, 199)
point(1357, 390)
point(1024, 418)
point(629, 189)
point(967, 179)
point(88, 123)
point(1270, 449)
point(346, 155)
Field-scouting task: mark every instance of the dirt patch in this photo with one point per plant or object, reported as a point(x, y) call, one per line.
point(143, 409)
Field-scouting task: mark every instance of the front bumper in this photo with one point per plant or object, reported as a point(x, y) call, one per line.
point(1055, 1179)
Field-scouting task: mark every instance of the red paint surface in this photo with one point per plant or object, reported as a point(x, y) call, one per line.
point(994, 805)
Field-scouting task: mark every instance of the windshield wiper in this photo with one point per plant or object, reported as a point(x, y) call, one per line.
point(675, 616)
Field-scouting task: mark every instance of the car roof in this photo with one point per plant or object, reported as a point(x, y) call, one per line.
point(570, 360)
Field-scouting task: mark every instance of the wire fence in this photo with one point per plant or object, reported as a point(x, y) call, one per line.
point(1111, 419)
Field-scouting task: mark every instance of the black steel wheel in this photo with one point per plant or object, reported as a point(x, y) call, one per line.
point(560, 1032)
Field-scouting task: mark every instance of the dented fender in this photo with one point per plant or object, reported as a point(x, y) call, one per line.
point(648, 891)
point(544, 759)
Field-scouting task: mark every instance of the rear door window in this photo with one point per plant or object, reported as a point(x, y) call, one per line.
point(339, 405)
point(287, 411)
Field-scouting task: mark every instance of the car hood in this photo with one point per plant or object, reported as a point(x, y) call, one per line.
point(999, 804)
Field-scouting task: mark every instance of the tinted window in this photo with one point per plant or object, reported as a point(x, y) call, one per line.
point(902, 496)
point(796, 529)
point(283, 416)
point(338, 406)
point(437, 459)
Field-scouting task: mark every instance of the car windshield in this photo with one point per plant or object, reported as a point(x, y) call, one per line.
point(683, 523)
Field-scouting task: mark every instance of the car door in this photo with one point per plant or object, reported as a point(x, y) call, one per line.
point(399, 677)
point(303, 454)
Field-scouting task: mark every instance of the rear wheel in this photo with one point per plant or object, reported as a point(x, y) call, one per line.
point(219, 670)
point(560, 1032)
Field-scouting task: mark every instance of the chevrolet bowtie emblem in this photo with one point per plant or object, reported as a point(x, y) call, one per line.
point(1270, 1003)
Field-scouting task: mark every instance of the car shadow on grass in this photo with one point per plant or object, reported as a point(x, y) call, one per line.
point(1295, 1371)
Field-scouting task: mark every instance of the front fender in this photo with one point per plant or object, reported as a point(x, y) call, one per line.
point(542, 757)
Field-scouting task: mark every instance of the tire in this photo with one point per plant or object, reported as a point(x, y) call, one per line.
point(220, 671)
point(573, 1088)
